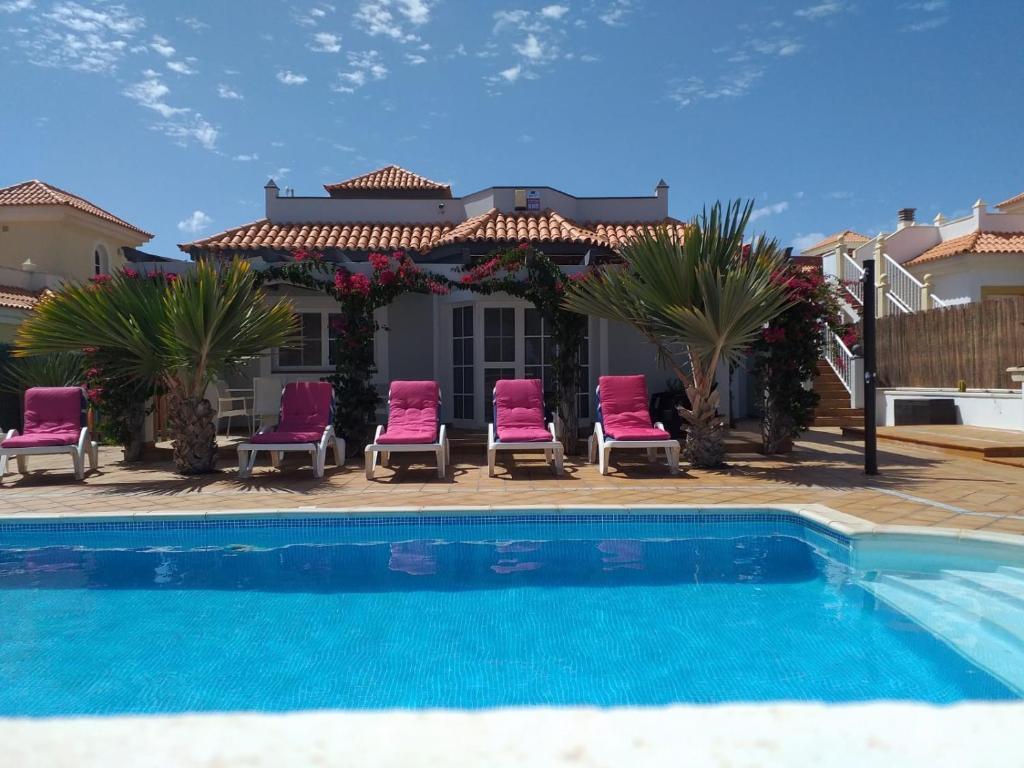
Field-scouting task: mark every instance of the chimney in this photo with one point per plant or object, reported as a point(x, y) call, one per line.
point(661, 192)
point(905, 217)
point(270, 193)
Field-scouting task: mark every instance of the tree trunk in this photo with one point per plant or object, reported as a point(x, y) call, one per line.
point(704, 447)
point(777, 427)
point(193, 434)
point(135, 432)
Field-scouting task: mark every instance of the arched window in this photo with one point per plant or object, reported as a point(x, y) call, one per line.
point(100, 261)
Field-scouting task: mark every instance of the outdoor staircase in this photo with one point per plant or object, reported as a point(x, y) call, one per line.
point(834, 409)
point(978, 614)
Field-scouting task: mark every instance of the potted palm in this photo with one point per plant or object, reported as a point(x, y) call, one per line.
point(170, 335)
point(701, 300)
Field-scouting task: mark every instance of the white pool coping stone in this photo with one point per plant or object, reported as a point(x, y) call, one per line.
point(748, 735)
point(887, 734)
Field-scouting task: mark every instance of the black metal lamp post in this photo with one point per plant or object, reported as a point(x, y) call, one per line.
point(870, 369)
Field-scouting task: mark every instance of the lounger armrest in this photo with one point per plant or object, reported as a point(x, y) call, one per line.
point(598, 431)
point(327, 436)
point(83, 439)
point(490, 434)
point(378, 433)
point(442, 434)
point(265, 428)
point(11, 433)
point(659, 425)
point(551, 429)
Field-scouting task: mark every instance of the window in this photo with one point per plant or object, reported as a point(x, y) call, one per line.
point(462, 362)
point(307, 349)
point(539, 353)
point(100, 261)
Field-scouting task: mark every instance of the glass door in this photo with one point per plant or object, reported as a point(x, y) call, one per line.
point(463, 370)
point(499, 359)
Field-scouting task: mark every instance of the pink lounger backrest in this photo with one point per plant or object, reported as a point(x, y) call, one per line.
point(306, 405)
point(53, 409)
point(413, 407)
point(623, 403)
point(518, 404)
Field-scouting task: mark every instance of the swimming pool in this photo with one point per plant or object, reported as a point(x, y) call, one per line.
point(462, 611)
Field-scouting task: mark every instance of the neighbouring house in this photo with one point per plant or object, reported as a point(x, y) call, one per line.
point(47, 236)
point(464, 340)
point(919, 267)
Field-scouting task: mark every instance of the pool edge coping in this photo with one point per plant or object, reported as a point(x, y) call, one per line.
point(842, 523)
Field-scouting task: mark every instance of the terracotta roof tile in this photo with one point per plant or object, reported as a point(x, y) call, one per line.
point(617, 234)
point(848, 236)
point(347, 237)
point(40, 193)
point(975, 242)
point(391, 178)
point(18, 298)
point(544, 227)
point(1011, 201)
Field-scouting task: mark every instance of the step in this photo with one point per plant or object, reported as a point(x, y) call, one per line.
point(1003, 585)
point(985, 630)
point(837, 421)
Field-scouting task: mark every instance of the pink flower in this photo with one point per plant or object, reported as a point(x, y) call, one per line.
point(467, 278)
point(386, 277)
point(341, 280)
point(359, 283)
point(129, 272)
point(398, 256)
point(439, 288)
point(171, 277)
point(774, 335)
point(577, 277)
point(100, 279)
point(379, 261)
point(524, 246)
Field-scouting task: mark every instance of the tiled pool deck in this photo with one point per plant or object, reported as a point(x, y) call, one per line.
point(918, 486)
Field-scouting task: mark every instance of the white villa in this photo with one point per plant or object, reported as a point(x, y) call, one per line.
point(464, 340)
point(47, 236)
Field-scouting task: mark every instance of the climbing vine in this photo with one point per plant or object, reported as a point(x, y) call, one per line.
point(529, 274)
point(358, 296)
point(787, 354)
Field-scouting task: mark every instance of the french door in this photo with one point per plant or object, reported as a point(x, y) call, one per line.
point(502, 340)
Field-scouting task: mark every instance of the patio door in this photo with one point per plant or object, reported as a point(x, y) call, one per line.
point(502, 336)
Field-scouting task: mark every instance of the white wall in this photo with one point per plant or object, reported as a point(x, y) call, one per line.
point(993, 408)
point(959, 279)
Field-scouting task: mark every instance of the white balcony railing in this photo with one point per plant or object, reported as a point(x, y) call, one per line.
point(907, 289)
point(851, 275)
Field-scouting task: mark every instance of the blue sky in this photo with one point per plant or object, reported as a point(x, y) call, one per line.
point(829, 113)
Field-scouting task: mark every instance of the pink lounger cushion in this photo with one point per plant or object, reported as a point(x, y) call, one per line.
point(412, 413)
point(525, 435)
point(42, 440)
point(624, 414)
point(287, 436)
point(305, 414)
point(53, 417)
point(519, 411)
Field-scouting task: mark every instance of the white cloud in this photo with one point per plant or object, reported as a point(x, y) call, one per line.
point(181, 67)
point(14, 6)
point(926, 24)
point(326, 42)
point(227, 92)
point(280, 173)
point(193, 23)
point(511, 74)
point(531, 48)
point(930, 18)
point(150, 93)
point(554, 11)
point(616, 12)
point(291, 78)
point(782, 47)
point(415, 59)
point(246, 158)
point(821, 10)
point(162, 46)
point(388, 17)
point(730, 85)
point(344, 148)
point(195, 223)
point(363, 67)
point(185, 131)
point(769, 210)
point(314, 15)
point(802, 242)
point(78, 37)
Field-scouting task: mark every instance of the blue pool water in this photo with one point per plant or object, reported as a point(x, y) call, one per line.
point(375, 613)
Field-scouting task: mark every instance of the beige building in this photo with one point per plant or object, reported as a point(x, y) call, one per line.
point(48, 236)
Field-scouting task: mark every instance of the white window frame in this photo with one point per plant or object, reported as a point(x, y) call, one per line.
point(380, 352)
point(100, 259)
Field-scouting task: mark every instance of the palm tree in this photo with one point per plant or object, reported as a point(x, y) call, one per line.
point(172, 335)
point(700, 300)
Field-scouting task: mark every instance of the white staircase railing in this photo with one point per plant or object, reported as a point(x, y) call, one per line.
point(848, 367)
point(907, 289)
point(851, 275)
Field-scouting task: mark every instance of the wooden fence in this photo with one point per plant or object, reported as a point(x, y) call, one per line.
point(938, 348)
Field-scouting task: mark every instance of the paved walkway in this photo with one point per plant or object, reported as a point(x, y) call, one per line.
point(918, 486)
